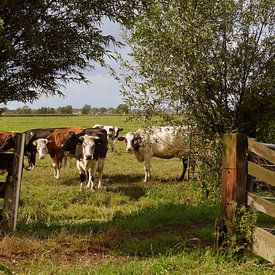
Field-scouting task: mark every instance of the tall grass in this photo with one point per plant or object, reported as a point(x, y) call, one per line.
point(130, 227)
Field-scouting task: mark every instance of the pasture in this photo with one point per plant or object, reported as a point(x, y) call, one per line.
point(130, 227)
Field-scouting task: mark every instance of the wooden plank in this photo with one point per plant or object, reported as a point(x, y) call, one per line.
point(233, 174)
point(261, 205)
point(261, 150)
point(261, 173)
point(263, 244)
point(13, 184)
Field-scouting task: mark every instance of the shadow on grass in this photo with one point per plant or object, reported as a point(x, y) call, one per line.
point(134, 192)
point(165, 228)
point(124, 179)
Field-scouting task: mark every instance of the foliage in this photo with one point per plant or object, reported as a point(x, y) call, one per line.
point(68, 109)
point(240, 230)
point(211, 62)
point(122, 109)
point(44, 44)
point(5, 269)
point(86, 109)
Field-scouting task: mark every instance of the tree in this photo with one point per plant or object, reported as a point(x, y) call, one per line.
point(68, 109)
point(122, 109)
point(44, 110)
point(24, 110)
point(212, 62)
point(44, 44)
point(86, 109)
point(102, 110)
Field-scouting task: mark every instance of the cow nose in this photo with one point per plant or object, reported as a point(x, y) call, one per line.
point(88, 157)
point(41, 157)
point(129, 149)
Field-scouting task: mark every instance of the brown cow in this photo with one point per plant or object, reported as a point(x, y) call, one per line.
point(52, 145)
point(7, 140)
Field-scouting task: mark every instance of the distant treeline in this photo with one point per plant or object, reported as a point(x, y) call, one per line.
point(66, 110)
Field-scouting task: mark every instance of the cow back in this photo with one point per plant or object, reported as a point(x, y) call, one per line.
point(166, 142)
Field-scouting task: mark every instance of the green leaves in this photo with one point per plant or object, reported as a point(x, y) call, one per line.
point(46, 43)
point(205, 60)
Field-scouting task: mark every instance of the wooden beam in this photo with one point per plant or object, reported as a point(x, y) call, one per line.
point(261, 205)
point(263, 244)
point(261, 150)
point(261, 173)
point(234, 172)
point(13, 184)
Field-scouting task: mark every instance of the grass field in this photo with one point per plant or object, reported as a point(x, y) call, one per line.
point(129, 227)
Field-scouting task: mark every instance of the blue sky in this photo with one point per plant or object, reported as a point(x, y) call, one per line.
point(103, 91)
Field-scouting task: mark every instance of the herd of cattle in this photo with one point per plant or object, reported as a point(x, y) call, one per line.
point(90, 146)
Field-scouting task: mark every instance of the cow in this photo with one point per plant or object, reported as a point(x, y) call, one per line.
point(7, 141)
point(30, 148)
point(52, 145)
point(162, 142)
point(112, 132)
point(91, 146)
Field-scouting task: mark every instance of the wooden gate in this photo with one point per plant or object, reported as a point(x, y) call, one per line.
point(237, 172)
point(10, 189)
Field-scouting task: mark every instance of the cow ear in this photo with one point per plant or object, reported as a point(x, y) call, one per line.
point(81, 138)
point(34, 143)
point(121, 138)
point(120, 129)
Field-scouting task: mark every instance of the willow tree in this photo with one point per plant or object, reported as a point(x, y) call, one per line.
point(211, 62)
point(45, 43)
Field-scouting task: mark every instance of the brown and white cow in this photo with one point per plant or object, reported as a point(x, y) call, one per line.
point(91, 146)
point(52, 145)
point(161, 142)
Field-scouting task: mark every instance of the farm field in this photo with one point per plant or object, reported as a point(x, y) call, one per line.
point(130, 227)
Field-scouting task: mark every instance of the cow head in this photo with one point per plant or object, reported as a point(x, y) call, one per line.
point(41, 147)
point(88, 146)
point(132, 141)
point(111, 133)
point(117, 130)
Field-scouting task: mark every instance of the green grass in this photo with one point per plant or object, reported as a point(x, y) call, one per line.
point(129, 227)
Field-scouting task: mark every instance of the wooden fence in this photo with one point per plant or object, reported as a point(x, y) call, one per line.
point(237, 173)
point(10, 189)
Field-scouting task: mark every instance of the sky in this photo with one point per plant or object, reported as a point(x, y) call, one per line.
point(103, 91)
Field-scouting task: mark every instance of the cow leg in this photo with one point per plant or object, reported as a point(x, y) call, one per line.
point(100, 172)
point(56, 170)
point(81, 172)
point(184, 168)
point(147, 168)
point(112, 146)
point(92, 172)
point(31, 159)
point(57, 166)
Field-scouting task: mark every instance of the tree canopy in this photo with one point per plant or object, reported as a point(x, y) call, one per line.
point(44, 43)
point(210, 61)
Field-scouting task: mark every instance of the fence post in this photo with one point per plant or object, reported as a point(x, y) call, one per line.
point(11, 200)
point(234, 179)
